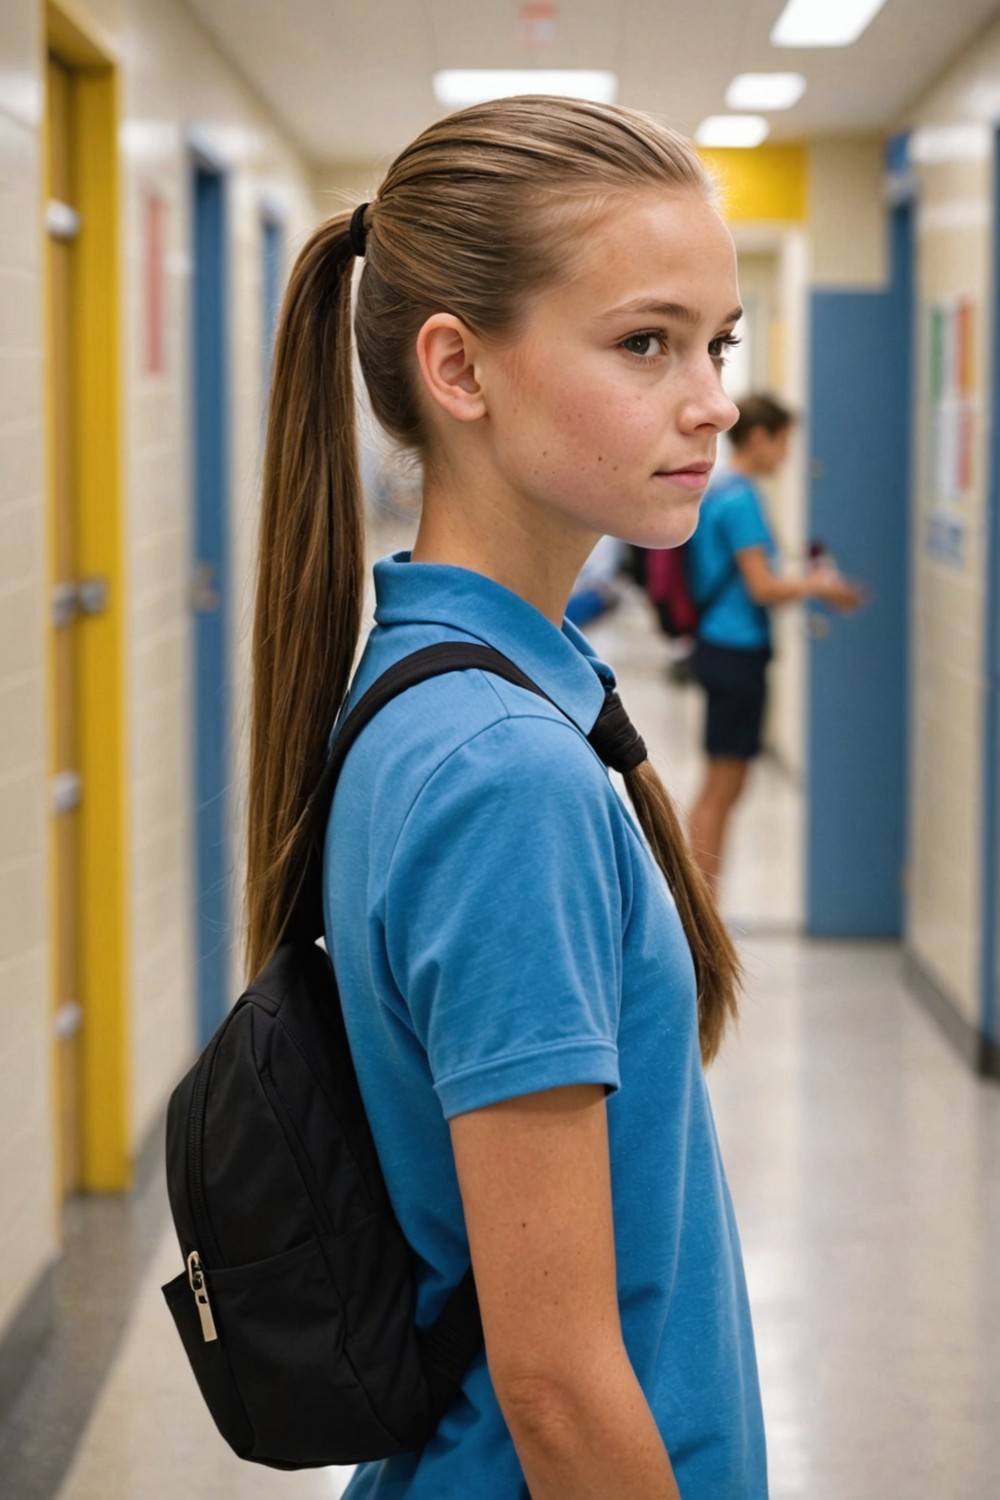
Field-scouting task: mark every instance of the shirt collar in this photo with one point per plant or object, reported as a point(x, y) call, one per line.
point(562, 662)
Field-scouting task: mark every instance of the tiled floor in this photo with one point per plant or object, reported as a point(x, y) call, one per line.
point(865, 1164)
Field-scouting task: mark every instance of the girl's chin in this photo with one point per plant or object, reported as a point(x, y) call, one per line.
point(680, 530)
point(659, 529)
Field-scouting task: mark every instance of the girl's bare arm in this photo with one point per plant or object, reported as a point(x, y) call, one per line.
point(536, 1187)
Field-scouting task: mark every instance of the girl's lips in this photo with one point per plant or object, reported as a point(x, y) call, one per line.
point(688, 479)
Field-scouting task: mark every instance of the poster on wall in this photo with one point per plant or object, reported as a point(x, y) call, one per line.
point(154, 216)
point(951, 425)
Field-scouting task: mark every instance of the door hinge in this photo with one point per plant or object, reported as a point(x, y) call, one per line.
point(68, 1019)
point(88, 597)
point(61, 221)
point(92, 594)
point(67, 792)
point(64, 604)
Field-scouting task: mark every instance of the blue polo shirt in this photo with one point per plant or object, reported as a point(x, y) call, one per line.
point(732, 517)
point(498, 927)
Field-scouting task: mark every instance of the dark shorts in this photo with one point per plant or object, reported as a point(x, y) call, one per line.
point(736, 684)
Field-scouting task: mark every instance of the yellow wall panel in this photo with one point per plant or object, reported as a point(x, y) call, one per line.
point(768, 182)
point(105, 873)
point(102, 875)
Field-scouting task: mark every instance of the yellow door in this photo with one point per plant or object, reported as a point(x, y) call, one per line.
point(62, 226)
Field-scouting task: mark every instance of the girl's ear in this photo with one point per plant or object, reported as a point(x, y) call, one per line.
point(447, 354)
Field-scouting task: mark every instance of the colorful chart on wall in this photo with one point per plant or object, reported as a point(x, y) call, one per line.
point(951, 426)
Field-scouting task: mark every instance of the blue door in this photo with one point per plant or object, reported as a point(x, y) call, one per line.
point(271, 259)
point(210, 589)
point(859, 415)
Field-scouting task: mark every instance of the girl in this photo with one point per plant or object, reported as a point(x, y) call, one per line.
point(547, 296)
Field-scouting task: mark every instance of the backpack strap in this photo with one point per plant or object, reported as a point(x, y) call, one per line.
point(613, 737)
point(306, 921)
point(714, 595)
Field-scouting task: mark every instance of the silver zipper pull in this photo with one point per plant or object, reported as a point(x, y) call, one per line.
point(196, 1276)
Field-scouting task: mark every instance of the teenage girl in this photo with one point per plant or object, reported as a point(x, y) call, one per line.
point(531, 986)
point(733, 560)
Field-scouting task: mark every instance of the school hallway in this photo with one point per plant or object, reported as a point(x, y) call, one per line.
point(163, 165)
point(861, 1154)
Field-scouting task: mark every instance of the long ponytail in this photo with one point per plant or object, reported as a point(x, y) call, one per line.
point(310, 581)
point(717, 965)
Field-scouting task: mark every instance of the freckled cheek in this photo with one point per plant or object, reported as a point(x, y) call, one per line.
point(613, 436)
point(582, 414)
point(558, 431)
point(572, 428)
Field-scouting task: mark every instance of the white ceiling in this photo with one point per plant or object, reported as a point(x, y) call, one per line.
point(351, 79)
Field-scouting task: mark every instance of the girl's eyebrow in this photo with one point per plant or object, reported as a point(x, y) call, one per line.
point(674, 310)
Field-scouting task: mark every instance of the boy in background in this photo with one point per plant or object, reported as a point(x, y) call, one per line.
point(733, 562)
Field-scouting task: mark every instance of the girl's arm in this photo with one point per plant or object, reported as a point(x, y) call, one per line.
point(768, 588)
point(536, 1188)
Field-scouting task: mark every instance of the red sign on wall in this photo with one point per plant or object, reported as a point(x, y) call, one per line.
point(153, 234)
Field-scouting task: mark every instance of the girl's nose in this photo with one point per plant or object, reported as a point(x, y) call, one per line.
point(710, 406)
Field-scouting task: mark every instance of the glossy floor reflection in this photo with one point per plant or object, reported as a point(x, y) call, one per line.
point(863, 1159)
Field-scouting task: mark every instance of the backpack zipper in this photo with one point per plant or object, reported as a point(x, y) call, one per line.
point(196, 1189)
point(196, 1278)
point(196, 1194)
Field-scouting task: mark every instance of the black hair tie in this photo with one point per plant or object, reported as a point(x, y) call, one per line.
point(357, 234)
point(615, 737)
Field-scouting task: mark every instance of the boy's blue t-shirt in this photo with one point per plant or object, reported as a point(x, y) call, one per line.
point(498, 927)
point(732, 517)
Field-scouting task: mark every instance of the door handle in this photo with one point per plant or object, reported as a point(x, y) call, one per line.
point(204, 595)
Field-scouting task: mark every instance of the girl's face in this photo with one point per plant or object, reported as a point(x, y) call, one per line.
point(605, 408)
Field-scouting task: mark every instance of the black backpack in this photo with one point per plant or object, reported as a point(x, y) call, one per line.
point(296, 1305)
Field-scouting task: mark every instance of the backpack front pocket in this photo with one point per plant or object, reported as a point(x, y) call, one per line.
point(280, 1325)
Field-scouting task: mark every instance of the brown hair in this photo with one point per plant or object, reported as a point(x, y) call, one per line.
point(759, 410)
point(473, 218)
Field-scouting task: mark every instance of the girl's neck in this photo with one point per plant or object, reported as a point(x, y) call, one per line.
point(529, 554)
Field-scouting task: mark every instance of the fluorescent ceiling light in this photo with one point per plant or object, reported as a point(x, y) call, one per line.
point(732, 130)
point(765, 91)
point(456, 87)
point(823, 23)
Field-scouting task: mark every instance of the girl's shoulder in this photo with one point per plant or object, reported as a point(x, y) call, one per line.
point(481, 726)
point(430, 721)
point(466, 769)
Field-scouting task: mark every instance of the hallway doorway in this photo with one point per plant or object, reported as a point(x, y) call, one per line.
point(88, 786)
point(213, 860)
point(860, 422)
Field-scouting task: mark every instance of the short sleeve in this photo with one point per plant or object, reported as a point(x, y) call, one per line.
point(741, 520)
point(504, 916)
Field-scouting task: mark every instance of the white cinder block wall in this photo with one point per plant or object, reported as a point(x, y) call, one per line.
point(172, 78)
point(955, 259)
point(28, 1222)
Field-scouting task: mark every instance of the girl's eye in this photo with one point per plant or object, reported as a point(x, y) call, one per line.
point(717, 348)
point(645, 345)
